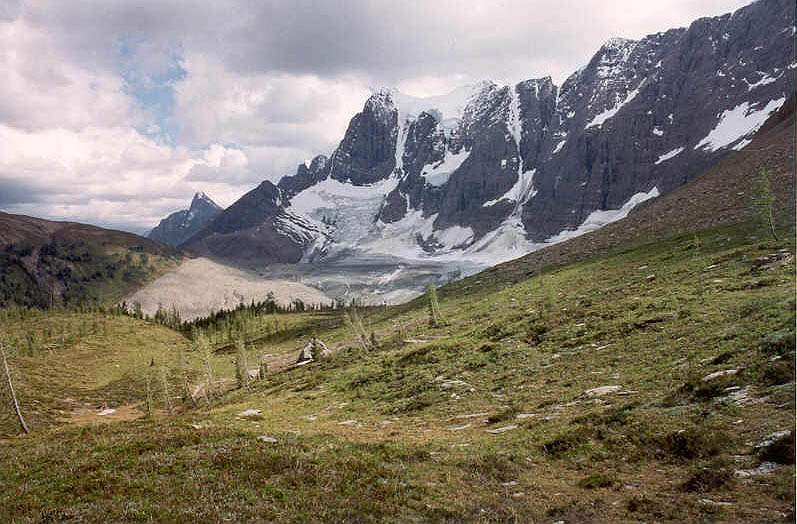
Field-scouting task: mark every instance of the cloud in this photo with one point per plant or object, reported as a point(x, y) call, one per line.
point(106, 175)
point(216, 104)
point(115, 112)
point(43, 89)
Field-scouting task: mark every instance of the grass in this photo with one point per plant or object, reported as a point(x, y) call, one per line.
point(482, 419)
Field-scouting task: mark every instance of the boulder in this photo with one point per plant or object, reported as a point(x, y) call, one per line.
point(312, 350)
point(600, 391)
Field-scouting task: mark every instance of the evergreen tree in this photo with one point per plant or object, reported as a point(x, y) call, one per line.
point(241, 368)
point(764, 201)
point(435, 317)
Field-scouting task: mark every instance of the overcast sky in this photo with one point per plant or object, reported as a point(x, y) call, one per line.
point(116, 112)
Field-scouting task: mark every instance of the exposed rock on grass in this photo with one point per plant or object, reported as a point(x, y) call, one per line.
point(600, 391)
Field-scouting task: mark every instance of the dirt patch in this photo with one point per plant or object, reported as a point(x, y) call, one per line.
point(84, 416)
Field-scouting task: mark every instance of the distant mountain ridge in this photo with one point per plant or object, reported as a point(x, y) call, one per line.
point(491, 172)
point(181, 225)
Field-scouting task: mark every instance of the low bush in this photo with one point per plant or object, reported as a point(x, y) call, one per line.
point(780, 451)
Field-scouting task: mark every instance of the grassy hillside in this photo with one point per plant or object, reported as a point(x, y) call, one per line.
point(494, 416)
point(45, 263)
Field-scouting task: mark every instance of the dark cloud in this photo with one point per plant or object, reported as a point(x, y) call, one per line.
point(14, 191)
point(386, 41)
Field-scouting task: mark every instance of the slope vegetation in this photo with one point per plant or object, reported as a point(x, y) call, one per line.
point(44, 263)
point(645, 384)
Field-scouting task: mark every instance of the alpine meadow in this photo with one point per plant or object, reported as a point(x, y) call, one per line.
point(556, 297)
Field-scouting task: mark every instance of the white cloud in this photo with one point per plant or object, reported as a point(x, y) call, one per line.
point(43, 89)
point(109, 175)
point(215, 104)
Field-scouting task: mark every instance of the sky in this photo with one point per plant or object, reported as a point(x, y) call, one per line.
point(115, 112)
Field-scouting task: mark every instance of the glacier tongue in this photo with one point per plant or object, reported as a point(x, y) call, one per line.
point(348, 209)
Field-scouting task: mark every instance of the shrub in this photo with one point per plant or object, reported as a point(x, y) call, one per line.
point(535, 332)
point(776, 373)
point(506, 414)
point(696, 389)
point(564, 443)
point(707, 479)
point(498, 466)
point(640, 503)
point(599, 480)
point(779, 343)
point(692, 443)
point(780, 451)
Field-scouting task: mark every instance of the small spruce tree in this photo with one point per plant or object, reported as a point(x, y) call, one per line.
point(167, 399)
point(148, 382)
point(435, 317)
point(241, 368)
point(699, 264)
point(206, 353)
point(355, 323)
point(764, 201)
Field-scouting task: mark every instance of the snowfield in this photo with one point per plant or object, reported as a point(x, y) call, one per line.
point(737, 123)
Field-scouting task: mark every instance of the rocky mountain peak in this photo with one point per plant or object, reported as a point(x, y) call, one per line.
point(179, 226)
point(202, 200)
point(381, 104)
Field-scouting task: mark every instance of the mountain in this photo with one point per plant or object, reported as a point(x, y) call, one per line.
point(179, 226)
point(257, 227)
point(491, 172)
point(723, 195)
point(45, 263)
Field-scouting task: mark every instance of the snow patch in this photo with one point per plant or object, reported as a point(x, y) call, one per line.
point(401, 142)
point(455, 236)
point(765, 79)
point(522, 189)
point(509, 240)
point(599, 218)
point(558, 147)
point(609, 113)
point(669, 155)
point(657, 131)
point(514, 124)
point(438, 174)
point(737, 123)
